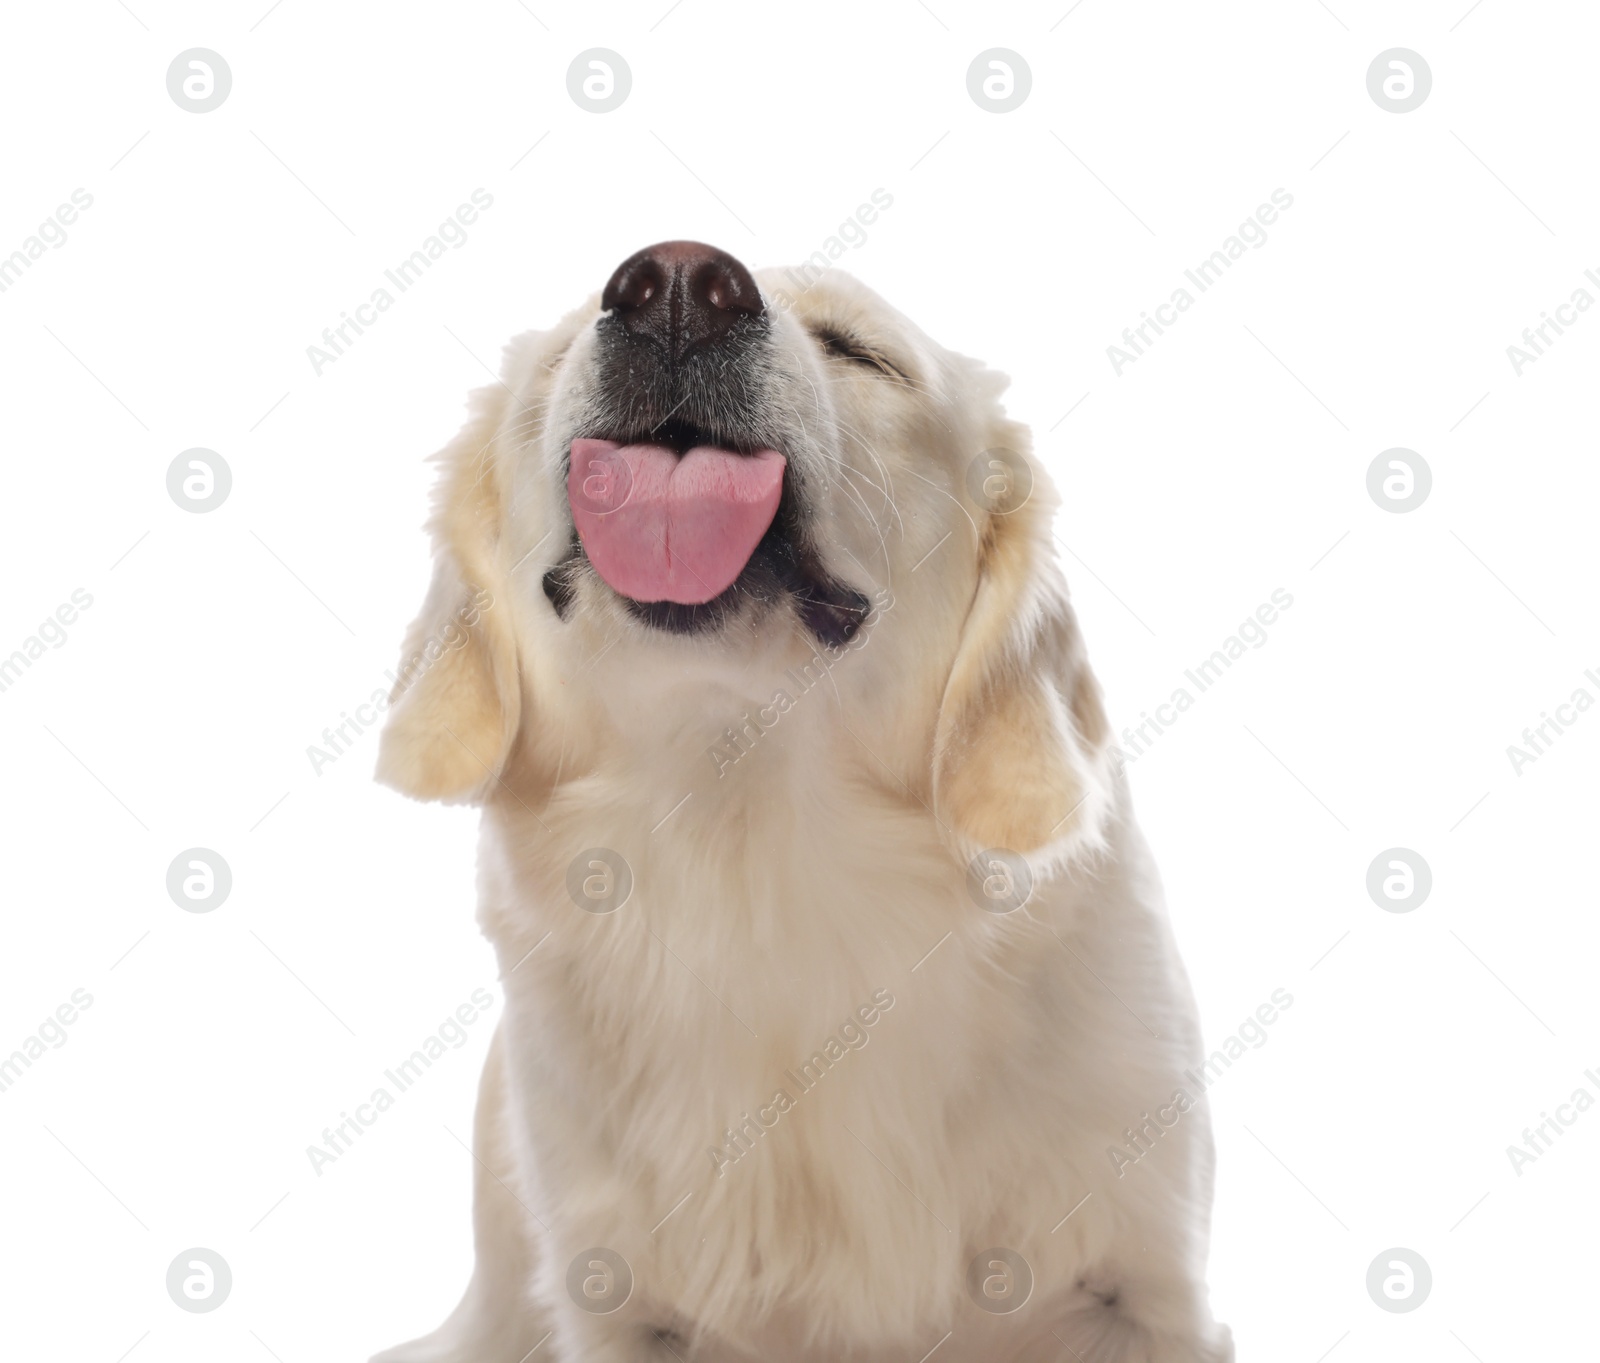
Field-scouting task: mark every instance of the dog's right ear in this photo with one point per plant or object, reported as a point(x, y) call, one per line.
point(456, 705)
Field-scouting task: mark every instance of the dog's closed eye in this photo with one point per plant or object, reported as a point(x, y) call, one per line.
point(841, 346)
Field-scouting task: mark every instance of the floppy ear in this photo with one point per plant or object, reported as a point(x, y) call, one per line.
point(456, 705)
point(1022, 757)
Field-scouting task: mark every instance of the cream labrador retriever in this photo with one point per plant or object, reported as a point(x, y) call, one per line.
point(842, 1016)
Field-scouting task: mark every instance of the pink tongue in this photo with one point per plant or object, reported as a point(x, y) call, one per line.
point(660, 527)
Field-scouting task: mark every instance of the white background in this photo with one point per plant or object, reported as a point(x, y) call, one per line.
point(1228, 461)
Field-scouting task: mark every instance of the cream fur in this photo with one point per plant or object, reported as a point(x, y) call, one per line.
point(773, 896)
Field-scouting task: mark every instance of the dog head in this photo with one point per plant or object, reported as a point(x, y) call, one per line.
point(696, 483)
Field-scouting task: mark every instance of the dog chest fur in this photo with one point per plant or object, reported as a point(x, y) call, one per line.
point(947, 1128)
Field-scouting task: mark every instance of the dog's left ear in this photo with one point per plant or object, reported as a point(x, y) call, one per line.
point(1022, 752)
point(456, 705)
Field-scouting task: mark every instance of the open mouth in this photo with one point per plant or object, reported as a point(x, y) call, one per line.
point(671, 522)
point(688, 531)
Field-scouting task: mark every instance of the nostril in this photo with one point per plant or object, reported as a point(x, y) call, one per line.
point(728, 287)
point(633, 286)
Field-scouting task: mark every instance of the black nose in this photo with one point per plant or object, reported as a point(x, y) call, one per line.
point(681, 294)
